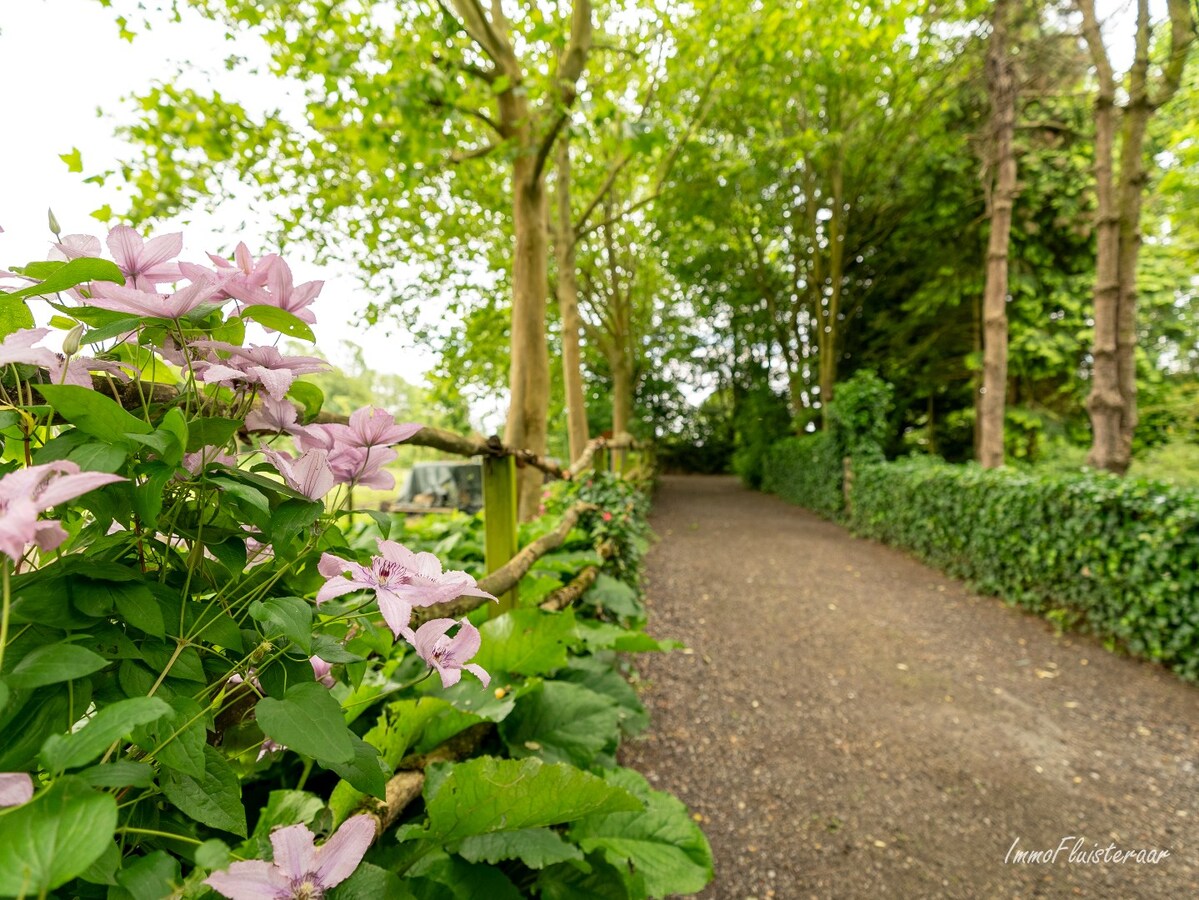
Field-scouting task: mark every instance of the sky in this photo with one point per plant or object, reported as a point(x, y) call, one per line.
point(62, 59)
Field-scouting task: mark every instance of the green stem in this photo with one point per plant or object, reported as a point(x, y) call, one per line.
point(304, 775)
point(5, 610)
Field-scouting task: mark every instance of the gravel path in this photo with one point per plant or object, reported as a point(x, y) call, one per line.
point(851, 723)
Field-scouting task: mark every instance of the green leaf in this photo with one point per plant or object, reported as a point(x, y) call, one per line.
point(151, 877)
point(309, 721)
point(366, 772)
point(110, 723)
point(45, 712)
point(95, 456)
point(214, 800)
point(93, 413)
point(121, 773)
point(290, 617)
point(74, 160)
point(178, 740)
point(213, 854)
point(614, 596)
point(442, 877)
point(308, 395)
point(54, 838)
point(210, 432)
point(486, 794)
point(371, 883)
point(280, 320)
point(289, 518)
point(14, 315)
point(54, 663)
point(535, 847)
point(72, 274)
point(174, 425)
point(661, 842)
point(562, 722)
point(139, 608)
point(526, 641)
point(599, 880)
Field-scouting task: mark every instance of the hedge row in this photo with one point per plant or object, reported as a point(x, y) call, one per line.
point(806, 471)
point(1117, 557)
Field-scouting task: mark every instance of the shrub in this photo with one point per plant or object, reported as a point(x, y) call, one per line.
point(1116, 557)
point(806, 471)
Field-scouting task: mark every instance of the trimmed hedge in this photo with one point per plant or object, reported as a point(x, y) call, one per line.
point(1117, 557)
point(806, 471)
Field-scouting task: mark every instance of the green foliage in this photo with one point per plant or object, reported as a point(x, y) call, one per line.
point(807, 471)
point(1119, 558)
point(858, 415)
point(760, 418)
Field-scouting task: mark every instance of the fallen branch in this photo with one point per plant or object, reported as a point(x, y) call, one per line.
point(567, 594)
point(509, 575)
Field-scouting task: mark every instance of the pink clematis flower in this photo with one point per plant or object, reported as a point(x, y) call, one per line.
point(356, 454)
point(323, 671)
point(257, 552)
point(287, 296)
point(449, 655)
point(254, 365)
point(77, 246)
point(137, 302)
point(400, 580)
point(373, 427)
point(78, 370)
point(301, 870)
point(18, 348)
point(310, 474)
point(145, 264)
point(26, 493)
point(15, 788)
point(245, 277)
point(278, 416)
point(207, 456)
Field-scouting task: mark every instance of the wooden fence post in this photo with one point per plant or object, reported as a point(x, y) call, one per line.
point(499, 521)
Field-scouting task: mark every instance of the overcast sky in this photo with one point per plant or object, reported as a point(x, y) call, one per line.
point(61, 59)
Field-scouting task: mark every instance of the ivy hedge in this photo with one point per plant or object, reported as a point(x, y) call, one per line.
point(1115, 557)
point(806, 471)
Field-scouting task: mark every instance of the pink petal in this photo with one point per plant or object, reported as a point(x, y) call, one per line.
point(397, 612)
point(15, 788)
point(331, 565)
point(449, 676)
point(479, 672)
point(125, 244)
point(276, 382)
point(465, 643)
point(49, 535)
point(160, 249)
point(429, 634)
point(313, 476)
point(336, 587)
point(68, 487)
point(252, 879)
point(295, 852)
point(341, 854)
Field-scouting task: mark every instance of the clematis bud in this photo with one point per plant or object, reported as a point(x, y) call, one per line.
point(70, 344)
point(55, 228)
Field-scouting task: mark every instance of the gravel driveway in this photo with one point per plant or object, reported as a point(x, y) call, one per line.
point(850, 723)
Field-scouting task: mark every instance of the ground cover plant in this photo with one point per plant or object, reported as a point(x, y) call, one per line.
point(216, 679)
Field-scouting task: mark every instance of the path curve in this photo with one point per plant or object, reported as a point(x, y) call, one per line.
point(851, 723)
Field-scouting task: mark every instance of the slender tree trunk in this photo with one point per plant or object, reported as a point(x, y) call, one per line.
point(1105, 402)
point(568, 308)
point(529, 376)
point(622, 392)
point(1113, 400)
point(836, 272)
point(1001, 85)
point(1133, 177)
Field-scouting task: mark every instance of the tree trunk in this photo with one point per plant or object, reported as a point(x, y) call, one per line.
point(1001, 86)
point(836, 271)
point(1105, 402)
point(529, 375)
point(622, 392)
point(568, 308)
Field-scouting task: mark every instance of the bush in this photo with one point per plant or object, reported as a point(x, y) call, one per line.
point(760, 420)
point(858, 416)
point(1116, 557)
point(806, 471)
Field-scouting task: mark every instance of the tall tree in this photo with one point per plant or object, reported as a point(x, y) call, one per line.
point(396, 104)
point(1112, 403)
point(1001, 195)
